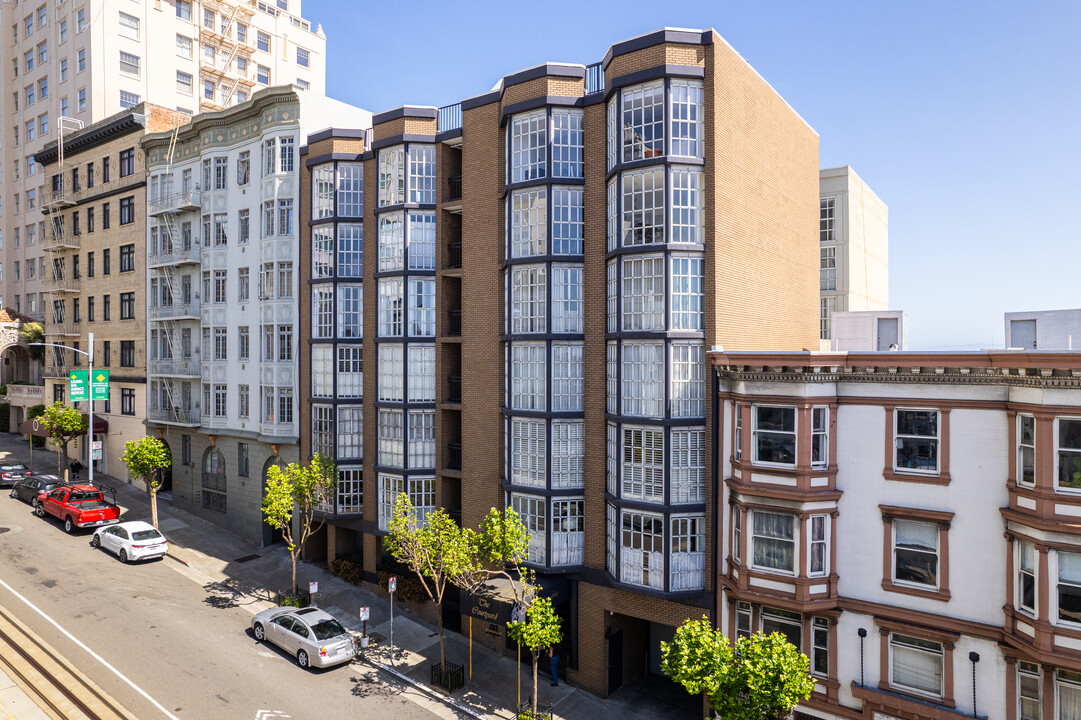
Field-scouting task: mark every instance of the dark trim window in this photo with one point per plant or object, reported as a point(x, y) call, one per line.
point(185, 450)
point(106, 307)
point(106, 347)
point(774, 431)
point(127, 210)
point(90, 264)
point(90, 219)
point(127, 401)
point(105, 219)
point(127, 353)
point(127, 162)
point(90, 309)
point(916, 441)
point(242, 459)
point(105, 169)
point(127, 258)
point(127, 306)
point(106, 254)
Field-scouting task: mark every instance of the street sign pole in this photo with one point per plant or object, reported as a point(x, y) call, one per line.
point(392, 585)
point(90, 389)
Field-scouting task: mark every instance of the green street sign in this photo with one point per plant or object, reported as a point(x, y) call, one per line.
point(99, 385)
point(78, 389)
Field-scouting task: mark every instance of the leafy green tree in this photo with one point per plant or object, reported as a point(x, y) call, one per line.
point(538, 632)
point(296, 492)
point(435, 549)
point(698, 658)
point(63, 424)
point(763, 679)
point(501, 546)
point(32, 332)
point(145, 459)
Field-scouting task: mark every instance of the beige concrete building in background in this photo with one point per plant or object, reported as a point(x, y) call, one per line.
point(94, 270)
point(854, 248)
point(89, 60)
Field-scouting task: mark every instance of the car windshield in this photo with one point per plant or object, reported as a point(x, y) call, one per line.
point(145, 535)
point(328, 629)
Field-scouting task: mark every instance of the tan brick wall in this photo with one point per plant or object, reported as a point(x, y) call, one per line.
point(404, 125)
point(667, 54)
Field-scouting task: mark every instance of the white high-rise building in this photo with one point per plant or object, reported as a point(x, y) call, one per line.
point(87, 60)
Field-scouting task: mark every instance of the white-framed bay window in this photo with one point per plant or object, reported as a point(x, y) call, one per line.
point(528, 445)
point(391, 312)
point(567, 220)
point(687, 216)
point(350, 312)
point(528, 375)
point(530, 509)
point(611, 538)
point(1027, 592)
point(568, 531)
point(567, 298)
point(818, 545)
point(688, 472)
point(421, 307)
point(322, 252)
point(916, 665)
point(774, 541)
point(1068, 590)
point(612, 130)
point(323, 430)
point(612, 376)
point(391, 437)
point(643, 379)
point(391, 239)
point(613, 215)
point(1026, 450)
point(422, 174)
point(419, 490)
point(686, 110)
point(643, 292)
point(422, 240)
point(1068, 695)
point(391, 176)
point(322, 371)
point(350, 190)
point(528, 290)
point(350, 371)
point(528, 222)
point(612, 459)
point(643, 121)
point(613, 296)
point(421, 373)
point(1068, 453)
point(350, 490)
point(350, 432)
point(391, 373)
point(773, 429)
point(528, 146)
point(642, 476)
point(820, 439)
point(421, 448)
point(566, 143)
point(567, 376)
point(642, 549)
point(323, 191)
point(350, 240)
point(687, 564)
point(568, 454)
point(643, 207)
point(686, 293)
point(688, 379)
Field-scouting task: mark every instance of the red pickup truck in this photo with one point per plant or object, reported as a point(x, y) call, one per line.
point(78, 506)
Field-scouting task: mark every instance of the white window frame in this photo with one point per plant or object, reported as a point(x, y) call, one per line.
point(641, 562)
point(568, 376)
point(923, 549)
point(350, 311)
point(687, 559)
point(1063, 452)
point(686, 112)
point(756, 536)
point(421, 373)
point(390, 437)
point(686, 292)
point(1023, 446)
point(899, 439)
point(391, 177)
point(642, 463)
point(391, 240)
point(421, 239)
point(421, 439)
point(529, 372)
point(1034, 674)
point(568, 454)
point(349, 432)
point(568, 532)
point(391, 307)
point(391, 373)
point(643, 207)
point(643, 121)
point(818, 543)
point(528, 146)
point(686, 194)
point(643, 292)
point(820, 437)
point(349, 371)
point(898, 641)
point(756, 432)
point(528, 217)
point(1025, 559)
point(568, 223)
point(688, 465)
point(827, 208)
point(421, 310)
point(567, 148)
point(531, 510)
point(567, 296)
point(827, 264)
point(528, 291)
point(687, 394)
point(527, 449)
point(421, 174)
point(642, 382)
point(322, 370)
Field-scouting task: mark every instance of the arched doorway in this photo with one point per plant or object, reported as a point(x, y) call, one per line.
point(270, 535)
point(214, 489)
point(15, 365)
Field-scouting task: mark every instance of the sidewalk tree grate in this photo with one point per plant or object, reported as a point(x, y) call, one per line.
point(451, 678)
point(247, 558)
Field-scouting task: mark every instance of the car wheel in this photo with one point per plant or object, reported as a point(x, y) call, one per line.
point(302, 659)
point(38, 509)
point(95, 542)
point(123, 555)
point(260, 633)
point(69, 526)
point(13, 493)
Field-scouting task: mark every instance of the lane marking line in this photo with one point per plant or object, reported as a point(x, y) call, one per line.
point(90, 652)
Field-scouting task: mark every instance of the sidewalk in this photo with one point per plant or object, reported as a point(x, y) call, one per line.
point(237, 573)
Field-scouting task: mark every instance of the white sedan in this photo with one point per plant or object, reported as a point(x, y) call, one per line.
point(309, 634)
point(135, 540)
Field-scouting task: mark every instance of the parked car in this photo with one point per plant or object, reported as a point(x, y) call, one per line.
point(29, 488)
point(311, 635)
point(12, 471)
point(134, 540)
point(78, 506)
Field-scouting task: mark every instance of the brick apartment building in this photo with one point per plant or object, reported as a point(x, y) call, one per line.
point(909, 521)
point(94, 268)
point(547, 264)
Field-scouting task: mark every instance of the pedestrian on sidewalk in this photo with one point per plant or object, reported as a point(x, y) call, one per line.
point(76, 469)
point(553, 653)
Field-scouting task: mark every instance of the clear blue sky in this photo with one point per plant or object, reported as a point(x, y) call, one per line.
point(964, 117)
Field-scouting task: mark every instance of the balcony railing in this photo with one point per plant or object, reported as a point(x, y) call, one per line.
point(175, 311)
point(26, 392)
point(450, 117)
point(594, 78)
point(454, 388)
point(454, 255)
point(454, 323)
point(179, 367)
point(454, 188)
point(56, 371)
point(175, 202)
point(63, 328)
point(62, 284)
point(176, 255)
point(60, 240)
point(174, 416)
point(454, 456)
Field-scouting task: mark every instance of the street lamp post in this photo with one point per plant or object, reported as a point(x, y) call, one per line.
point(90, 397)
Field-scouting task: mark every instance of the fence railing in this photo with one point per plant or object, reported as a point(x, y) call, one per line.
point(454, 456)
point(174, 255)
point(454, 188)
point(594, 78)
point(176, 416)
point(449, 678)
point(454, 388)
point(450, 117)
point(183, 200)
point(176, 310)
point(454, 323)
point(454, 255)
point(182, 367)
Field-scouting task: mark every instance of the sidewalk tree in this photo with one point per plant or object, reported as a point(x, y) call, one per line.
point(763, 678)
point(502, 545)
point(296, 491)
point(63, 424)
point(435, 549)
point(145, 459)
point(538, 632)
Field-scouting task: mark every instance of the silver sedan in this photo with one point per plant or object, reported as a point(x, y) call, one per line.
point(309, 634)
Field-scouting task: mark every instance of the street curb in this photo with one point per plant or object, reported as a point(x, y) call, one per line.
point(424, 688)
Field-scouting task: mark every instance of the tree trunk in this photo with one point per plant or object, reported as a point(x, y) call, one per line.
point(154, 507)
point(536, 659)
point(62, 459)
point(442, 647)
point(293, 557)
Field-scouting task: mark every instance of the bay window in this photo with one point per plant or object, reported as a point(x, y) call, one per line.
point(422, 174)
point(528, 445)
point(528, 223)
point(568, 531)
point(643, 464)
point(530, 509)
point(350, 490)
point(567, 299)
point(421, 438)
point(773, 541)
point(686, 292)
point(350, 250)
point(351, 311)
point(567, 220)
point(1069, 587)
point(643, 207)
point(323, 191)
point(390, 307)
point(642, 549)
point(818, 560)
point(643, 379)
point(528, 299)
point(421, 240)
point(350, 371)
point(774, 435)
point(419, 490)
point(566, 143)
point(391, 372)
point(567, 377)
point(688, 218)
point(686, 102)
point(528, 376)
point(789, 624)
point(391, 176)
point(643, 293)
point(688, 472)
point(1069, 453)
point(643, 121)
point(421, 373)
point(1026, 577)
point(322, 371)
point(688, 373)
point(688, 558)
point(820, 647)
point(528, 146)
point(390, 436)
point(350, 432)
point(568, 454)
point(391, 239)
point(421, 307)
point(820, 421)
point(1030, 691)
point(1026, 450)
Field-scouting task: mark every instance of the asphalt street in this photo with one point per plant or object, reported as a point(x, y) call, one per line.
point(179, 649)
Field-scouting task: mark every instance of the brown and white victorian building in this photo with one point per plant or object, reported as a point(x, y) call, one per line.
point(545, 267)
point(911, 522)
